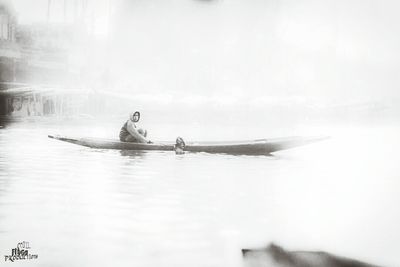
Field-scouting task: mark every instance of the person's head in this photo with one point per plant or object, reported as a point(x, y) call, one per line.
point(180, 143)
point(135, 116)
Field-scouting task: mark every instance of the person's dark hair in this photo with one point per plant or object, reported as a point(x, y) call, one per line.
point(135, 114)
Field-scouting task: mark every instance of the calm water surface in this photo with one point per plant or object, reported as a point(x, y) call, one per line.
point(85, 207)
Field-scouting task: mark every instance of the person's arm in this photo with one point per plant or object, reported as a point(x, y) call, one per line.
point(132, 130)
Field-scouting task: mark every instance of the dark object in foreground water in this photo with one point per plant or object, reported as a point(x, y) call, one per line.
point(253, 147)
point(276, 256)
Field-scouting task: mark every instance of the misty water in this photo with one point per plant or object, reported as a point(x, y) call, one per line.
point(87, 207)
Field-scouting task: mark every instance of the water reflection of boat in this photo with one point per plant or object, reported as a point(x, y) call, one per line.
point(252, 147)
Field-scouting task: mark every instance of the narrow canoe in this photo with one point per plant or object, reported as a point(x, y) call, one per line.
point(252, 147)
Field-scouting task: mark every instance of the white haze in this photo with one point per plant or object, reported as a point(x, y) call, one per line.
point(346, 50)
point(224, 53)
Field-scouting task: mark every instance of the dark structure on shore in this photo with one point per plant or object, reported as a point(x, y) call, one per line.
point(41, 65)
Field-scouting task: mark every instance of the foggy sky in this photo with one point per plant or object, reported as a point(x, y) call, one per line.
point(329, 49)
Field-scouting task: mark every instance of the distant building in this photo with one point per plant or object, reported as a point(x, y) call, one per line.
point(9, 49)
point(41, 63)
point(8, 23)
point(44, 54)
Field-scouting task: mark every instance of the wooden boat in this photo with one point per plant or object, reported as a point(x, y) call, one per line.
point(252, 147)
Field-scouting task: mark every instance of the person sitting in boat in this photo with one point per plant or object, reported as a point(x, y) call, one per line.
point(130, 133)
